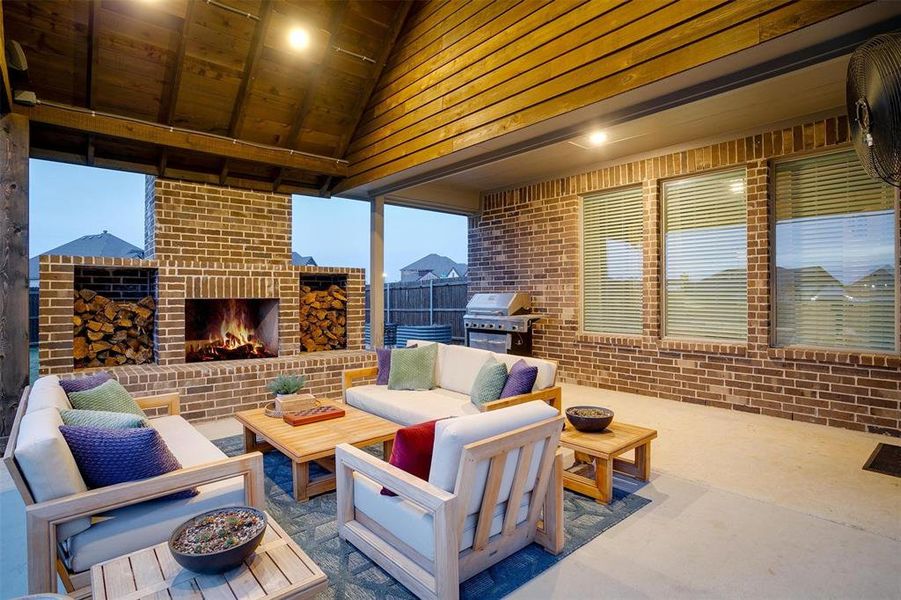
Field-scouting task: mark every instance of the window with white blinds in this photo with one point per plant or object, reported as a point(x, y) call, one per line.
point(705, 255)
point(836, 255)
point(612, 261)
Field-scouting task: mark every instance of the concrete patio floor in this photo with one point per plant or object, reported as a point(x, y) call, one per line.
point(743, 506)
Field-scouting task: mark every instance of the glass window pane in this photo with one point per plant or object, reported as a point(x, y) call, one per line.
point(612, 261)
point(705, 257)
point(835, 255)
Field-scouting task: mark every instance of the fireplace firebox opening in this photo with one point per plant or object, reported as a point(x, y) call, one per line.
point(230, 329)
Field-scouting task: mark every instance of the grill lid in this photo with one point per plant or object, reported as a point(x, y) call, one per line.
point(505, 304)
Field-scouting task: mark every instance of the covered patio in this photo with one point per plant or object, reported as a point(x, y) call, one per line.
point(669, 194)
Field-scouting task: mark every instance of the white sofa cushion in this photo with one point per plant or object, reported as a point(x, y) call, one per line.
point(452, 435)
point(414, 526)
point(409, 407)
point(134, 527)
point(460, 366)
point(46, 392)
point(47, 463)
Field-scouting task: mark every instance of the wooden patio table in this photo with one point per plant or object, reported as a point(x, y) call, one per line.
point(278, 570)
point(603, 451)
point(315, 442)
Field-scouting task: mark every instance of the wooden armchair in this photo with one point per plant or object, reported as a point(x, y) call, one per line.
point(44, 518)
point(491, 497)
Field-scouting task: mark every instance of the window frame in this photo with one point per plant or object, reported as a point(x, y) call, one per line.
point(644, 258)
point(661, 273)
point(771, 264)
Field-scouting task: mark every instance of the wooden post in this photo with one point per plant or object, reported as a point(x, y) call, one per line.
point(376, 272)
point(13, 266)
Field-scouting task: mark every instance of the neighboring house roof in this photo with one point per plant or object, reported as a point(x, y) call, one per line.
point(99, 244)
point(303, 261)
point(433, 266)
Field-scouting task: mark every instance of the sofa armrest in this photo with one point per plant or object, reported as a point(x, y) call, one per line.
point(349, 459)
point(553, 396)
point(169, 401)
point(43, 518)
point(351, 375)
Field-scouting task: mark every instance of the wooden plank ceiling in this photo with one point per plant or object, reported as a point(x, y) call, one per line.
point(203, 69)
point(464, 72)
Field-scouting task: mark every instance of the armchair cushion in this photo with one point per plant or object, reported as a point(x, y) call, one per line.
point(110, 396)
point(453, 434)
point(102, 419)
point(110, 456)
point(413, 368)
point(459, 366)
point(409, 407)
point(520, 380)
point(412, 451)
point(46, 392)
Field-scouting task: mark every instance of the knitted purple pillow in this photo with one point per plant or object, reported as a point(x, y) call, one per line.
point(383, 355)
point(81, 384)
point(520, 379)
point(110, 456)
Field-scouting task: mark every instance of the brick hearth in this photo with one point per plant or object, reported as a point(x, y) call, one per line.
point(205, 242)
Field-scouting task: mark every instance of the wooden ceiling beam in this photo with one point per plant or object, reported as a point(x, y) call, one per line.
point(290, 140)
point(253, 57)
point(100, 124)
point(372, 81)
point(167, 109)
point(6, 94)
point(92, 54)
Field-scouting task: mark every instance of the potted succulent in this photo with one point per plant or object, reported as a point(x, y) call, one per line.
point(287, 393)
point(218, 540)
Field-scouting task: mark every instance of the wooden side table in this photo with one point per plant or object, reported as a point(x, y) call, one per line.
point(599, 455)
point(278, 569)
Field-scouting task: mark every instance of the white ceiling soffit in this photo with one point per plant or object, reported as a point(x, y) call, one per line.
point(809, 46)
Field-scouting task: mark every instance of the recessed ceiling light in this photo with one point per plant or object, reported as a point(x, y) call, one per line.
point(298, 38)
point(596, 138)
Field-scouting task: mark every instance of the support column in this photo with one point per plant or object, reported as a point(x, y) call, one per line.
point(13, 266)
point(376, 272)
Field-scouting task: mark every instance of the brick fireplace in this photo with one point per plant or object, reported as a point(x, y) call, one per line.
point(211, 249)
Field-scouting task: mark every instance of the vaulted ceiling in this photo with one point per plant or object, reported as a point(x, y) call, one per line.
point(224, 68)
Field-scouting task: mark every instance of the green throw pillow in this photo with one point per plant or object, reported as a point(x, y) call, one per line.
point(413, 368)
point(109, 396)
point(489, 382)
point(102, 419)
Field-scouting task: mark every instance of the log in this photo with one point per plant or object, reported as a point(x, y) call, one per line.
point(110, 332)
point(323, 318)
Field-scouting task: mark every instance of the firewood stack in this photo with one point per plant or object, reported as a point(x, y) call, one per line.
point(323, 318)
point(110, 333)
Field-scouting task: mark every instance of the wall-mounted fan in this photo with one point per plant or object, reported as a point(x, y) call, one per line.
point(874, 106)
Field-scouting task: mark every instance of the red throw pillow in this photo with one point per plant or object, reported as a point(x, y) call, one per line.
point(412, 450)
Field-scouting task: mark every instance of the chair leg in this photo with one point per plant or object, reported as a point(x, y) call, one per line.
point(551, 537)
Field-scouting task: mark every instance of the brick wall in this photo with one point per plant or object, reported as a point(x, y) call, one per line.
point(527, 239)
point(206, 242)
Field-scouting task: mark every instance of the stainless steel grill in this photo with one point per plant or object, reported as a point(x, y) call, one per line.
point(500, 323)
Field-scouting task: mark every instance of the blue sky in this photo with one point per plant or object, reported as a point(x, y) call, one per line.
point(334, 230)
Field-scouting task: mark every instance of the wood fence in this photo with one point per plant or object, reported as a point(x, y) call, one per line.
point(434, 302)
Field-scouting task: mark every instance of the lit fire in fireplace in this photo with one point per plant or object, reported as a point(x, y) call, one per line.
point(230, 334)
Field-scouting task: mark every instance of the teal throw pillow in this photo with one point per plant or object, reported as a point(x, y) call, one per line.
point(413, 368)
point(102, 419)
point(489, 382)
point(109, 396)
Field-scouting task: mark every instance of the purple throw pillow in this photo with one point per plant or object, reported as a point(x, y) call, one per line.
point(110, 456)
point(82, 384)
point(520, 379)
point(383, 355)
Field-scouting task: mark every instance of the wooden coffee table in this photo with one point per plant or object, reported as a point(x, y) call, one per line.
point(278, 569)
point(599, 455)
point(315, 442)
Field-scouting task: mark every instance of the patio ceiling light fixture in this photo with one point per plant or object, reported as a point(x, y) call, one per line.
point(299, 38)
point(597, 138)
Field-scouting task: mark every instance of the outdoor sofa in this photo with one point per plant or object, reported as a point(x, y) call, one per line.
point(71, 528)
point(456, 370)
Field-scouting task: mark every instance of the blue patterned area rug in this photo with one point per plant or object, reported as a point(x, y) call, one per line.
point(352, 576)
